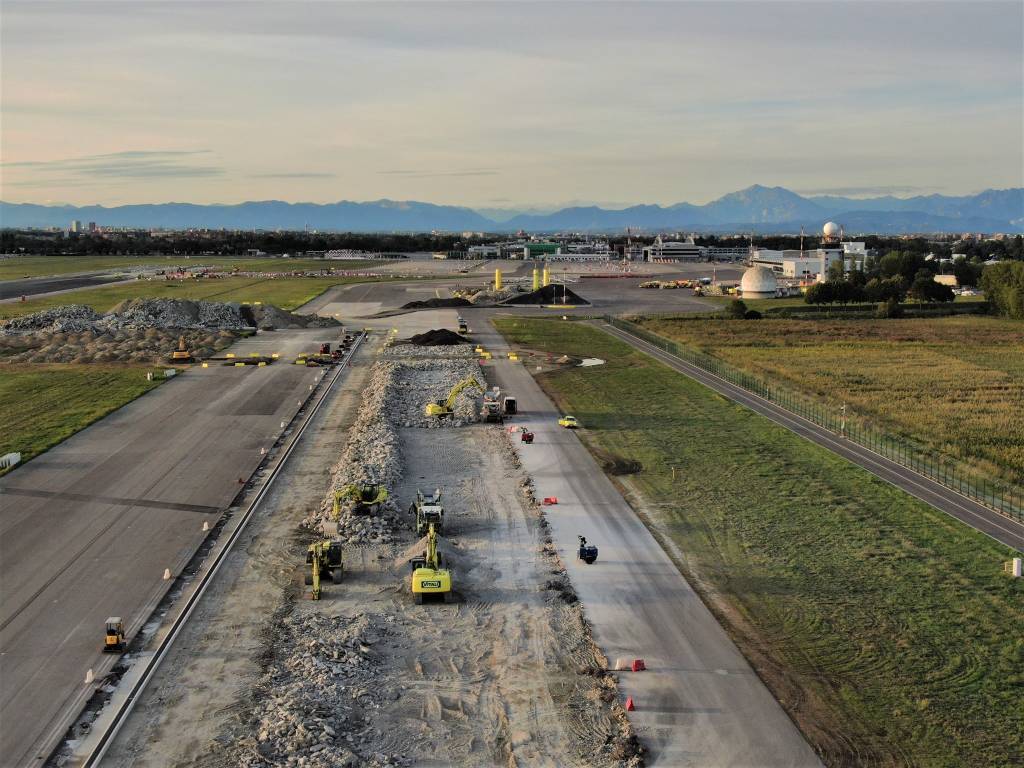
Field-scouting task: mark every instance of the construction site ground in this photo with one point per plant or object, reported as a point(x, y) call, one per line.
point(505, 674)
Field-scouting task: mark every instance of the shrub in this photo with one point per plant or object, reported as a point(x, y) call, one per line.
point(751, 314)
point(737, 309)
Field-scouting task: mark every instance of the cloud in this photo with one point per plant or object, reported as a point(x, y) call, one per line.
point(296, 175)
point(859, 191)
point(132, 164)
point(436, 174)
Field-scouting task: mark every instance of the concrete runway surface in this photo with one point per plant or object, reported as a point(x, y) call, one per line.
point(87, 529)
point(699, 703)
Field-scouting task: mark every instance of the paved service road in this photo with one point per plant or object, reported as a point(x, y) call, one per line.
point(700, 703)
point(13, 290)
point(87, 529)
point(999, 527)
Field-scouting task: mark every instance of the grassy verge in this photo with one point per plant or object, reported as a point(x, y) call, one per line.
point(284, 292)
point(47, 403)
point(952, 384)
point(18, 267)
point(885, 628)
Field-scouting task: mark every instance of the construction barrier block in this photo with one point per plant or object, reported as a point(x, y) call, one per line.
point(550, 500)
point(275, 355)
point(206, 365)
point(638, 665)
point(261, 364)
point(230, 354)
point(239, 365)
point(630, 706)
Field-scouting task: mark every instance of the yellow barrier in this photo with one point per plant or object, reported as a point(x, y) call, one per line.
point(254, 354)
point(206, 365)
point(513, 356)
point(275, 355)
point(230, 354)
point(239, 365)
point(261, 364)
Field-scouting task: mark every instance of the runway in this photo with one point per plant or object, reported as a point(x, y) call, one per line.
point(87, 529)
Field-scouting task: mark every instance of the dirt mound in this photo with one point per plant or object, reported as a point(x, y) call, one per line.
point(436, 304)
point(549, 294)
point(439, 337)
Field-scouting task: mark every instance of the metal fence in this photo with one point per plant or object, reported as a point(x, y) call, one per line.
point(1002, 497)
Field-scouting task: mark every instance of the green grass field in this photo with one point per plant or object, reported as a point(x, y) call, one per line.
point(47, 403)
point(887, 629)
point(18, 267)
point(284, 292)
point(952, 384)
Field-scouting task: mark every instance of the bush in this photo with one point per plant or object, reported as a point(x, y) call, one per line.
point(737, 309)
point(751, 314)
point(1003, 284)
point(889, 309)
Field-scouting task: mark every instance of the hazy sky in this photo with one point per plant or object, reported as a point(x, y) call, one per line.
point(495, 105)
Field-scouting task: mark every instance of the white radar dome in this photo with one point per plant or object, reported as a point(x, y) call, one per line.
point(758, 283)
point(831, 229)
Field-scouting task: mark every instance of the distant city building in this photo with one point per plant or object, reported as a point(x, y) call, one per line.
point(484, 252)
point(727, 253)
point(76, 226)
point(92, 226)
point(674, 250)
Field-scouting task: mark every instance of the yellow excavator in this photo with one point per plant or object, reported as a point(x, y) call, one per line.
point(429, 579)
point(443, 408)
point(367, 497)
point(324, 561)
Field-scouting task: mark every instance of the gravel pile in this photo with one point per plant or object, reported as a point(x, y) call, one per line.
point(312, 701)
point(438, 337)
point(488, 296)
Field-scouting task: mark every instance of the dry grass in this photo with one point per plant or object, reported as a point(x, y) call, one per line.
point(953, 384)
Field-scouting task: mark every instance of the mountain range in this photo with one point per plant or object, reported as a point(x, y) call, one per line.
point(757, 208)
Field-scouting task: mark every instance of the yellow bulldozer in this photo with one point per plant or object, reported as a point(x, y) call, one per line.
point(324, 561)
point(443, 408)
point(429, 579)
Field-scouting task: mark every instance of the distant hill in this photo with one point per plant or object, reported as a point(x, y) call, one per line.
point(758, 208)
point(377, 216)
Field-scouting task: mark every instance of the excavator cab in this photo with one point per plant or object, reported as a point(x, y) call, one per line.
point(114, 642)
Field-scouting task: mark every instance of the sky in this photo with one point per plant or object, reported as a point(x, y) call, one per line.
point(506, 105)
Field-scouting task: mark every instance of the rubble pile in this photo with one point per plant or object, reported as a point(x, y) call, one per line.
point(372, 454)
point(432, 353)
point(423, 381)
point(174, 313)
point(312, 701)
point(138, 330)
point(489, 296)
point(396, 395)
point(73, 318)
point(134, 314)
point(133, 346)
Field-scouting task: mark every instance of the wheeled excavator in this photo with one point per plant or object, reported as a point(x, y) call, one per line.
point(427, 511)
point(443, 408)
point(429, 579)
point(324, 561)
